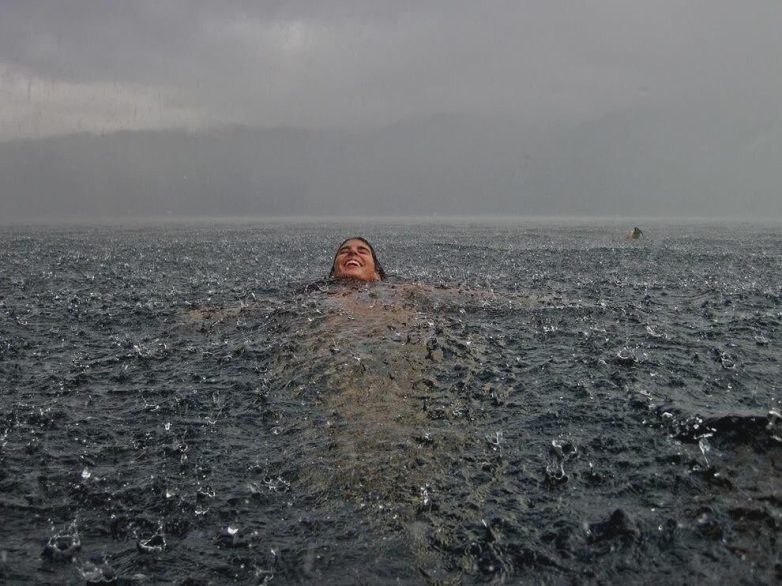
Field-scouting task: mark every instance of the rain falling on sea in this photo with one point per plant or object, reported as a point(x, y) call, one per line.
point(516, 403)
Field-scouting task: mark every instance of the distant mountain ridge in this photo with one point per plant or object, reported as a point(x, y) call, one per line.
point(632, 162)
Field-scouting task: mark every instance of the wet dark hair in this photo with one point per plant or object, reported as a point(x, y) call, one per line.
point(378, 267)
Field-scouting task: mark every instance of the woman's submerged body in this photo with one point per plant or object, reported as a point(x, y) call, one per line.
point(364, 357)
point(386, 433)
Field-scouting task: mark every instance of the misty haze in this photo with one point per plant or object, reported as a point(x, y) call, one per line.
point(361, 109)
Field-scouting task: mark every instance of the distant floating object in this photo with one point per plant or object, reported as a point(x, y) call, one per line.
point(635, 233)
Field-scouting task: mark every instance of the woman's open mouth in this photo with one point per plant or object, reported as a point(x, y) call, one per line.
point(352, 263)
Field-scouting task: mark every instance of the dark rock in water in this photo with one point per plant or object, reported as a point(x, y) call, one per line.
point(98, 573)
point(231, 537)
point(625, 357)
point(618, 525)
point(61, 547)
point(433, 350)
point(190, 581)
point(744, 429)
point(154, 544)
point(555, 472)
point(751, 428)
point(709, 527)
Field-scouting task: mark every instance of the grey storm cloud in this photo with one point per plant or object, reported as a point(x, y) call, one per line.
point(363, 62)
point(587, 97)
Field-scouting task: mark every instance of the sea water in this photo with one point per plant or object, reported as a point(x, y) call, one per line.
point(519, 402)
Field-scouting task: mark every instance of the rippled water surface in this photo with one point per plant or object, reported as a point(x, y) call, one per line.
point(530, 403)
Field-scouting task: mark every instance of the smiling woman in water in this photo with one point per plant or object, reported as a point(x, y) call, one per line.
point(356, 259)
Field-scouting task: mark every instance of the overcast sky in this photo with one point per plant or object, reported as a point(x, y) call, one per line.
point(100, 66)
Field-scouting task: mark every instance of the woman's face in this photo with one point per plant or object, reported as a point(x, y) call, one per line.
point(354, 261)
